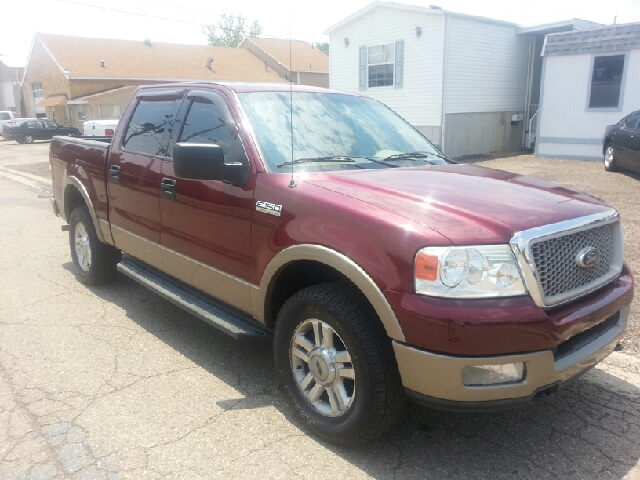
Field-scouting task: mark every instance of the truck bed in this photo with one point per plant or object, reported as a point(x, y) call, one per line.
point(85, 159)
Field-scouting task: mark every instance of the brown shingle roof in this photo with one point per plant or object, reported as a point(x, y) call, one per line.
point(56, 101)
point(82, 57)
point(304, 57)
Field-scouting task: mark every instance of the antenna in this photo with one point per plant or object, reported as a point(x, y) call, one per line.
point(292, 182)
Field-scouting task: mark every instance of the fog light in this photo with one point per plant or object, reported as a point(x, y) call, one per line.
point(479, 375)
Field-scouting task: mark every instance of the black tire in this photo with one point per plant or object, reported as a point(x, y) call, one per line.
point(378, 399)
point(27, 139)
point(610, 162)
point(102, 259)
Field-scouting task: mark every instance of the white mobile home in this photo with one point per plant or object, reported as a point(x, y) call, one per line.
point(457, 78)
point(590, 79)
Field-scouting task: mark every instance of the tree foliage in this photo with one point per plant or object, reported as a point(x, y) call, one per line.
point(323, 47)
point(230, 30)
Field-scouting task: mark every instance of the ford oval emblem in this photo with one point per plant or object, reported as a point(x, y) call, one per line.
point(588, 257)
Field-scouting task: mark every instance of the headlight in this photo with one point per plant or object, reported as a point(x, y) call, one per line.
point(468, 272)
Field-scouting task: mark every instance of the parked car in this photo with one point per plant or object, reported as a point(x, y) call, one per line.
point(26, 131)
point(7, 119)
point(621, 144)
point(325, 224)
point(99, 128)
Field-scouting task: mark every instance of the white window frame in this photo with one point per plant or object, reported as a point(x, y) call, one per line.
point(386, 61)
point(622, 82)
point(80, 112)
point(36, 89)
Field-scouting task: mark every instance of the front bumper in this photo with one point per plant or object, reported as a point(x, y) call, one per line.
point(436, 379)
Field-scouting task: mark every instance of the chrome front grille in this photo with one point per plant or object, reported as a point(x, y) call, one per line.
point(552, 257)
point(555, 260)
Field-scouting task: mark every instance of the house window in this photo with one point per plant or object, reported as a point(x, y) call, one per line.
point(109, 112)
point(380, 64)
point(36, 88)
point(606, 81)
point(81, 116)
point(67, 113)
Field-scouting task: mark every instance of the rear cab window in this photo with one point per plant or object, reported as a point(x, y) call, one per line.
point(150, 125)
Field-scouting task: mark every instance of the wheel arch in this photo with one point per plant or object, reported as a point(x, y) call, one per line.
point(319, 264)
point(75, 195)
point(607, 141)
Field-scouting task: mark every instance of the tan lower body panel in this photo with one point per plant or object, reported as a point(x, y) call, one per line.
point(229, 289)
point(440, 376)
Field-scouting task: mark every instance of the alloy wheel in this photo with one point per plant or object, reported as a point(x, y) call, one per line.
point(322, 368)
point(82, 246)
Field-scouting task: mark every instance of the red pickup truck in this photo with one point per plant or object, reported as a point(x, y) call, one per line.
point(323, 222)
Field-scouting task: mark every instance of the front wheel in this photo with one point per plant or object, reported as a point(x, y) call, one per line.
point(610, 161)
point(95, 262)
point(337, 366)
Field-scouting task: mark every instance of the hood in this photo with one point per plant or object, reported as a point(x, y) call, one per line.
point(465, 203)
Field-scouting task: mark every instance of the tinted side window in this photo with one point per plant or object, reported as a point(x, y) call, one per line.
point(34, 124)
point(205, 124)
point(632, 121)
point(150, 121)
point(50, 125)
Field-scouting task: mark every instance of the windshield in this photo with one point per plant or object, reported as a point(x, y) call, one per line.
point(333, 131)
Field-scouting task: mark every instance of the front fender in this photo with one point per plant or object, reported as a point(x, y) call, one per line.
point(340, 263)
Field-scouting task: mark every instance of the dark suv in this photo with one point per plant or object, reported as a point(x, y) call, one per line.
point(621, 145)
point(27, 131)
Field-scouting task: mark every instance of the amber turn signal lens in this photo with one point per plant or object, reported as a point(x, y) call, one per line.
point(427, 267)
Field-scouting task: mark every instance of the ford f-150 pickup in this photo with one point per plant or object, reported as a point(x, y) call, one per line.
point(323, 222)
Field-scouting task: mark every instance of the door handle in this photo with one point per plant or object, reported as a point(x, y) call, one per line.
point(114, 173)
point(168, 188)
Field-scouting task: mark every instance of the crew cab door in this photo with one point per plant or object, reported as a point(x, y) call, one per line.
point(134, 173)
point(206, 224)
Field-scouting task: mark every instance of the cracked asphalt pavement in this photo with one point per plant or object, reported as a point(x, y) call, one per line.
point(115, 383)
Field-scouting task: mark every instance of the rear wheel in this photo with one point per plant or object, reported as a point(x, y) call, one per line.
point(28, 139)
point(337, 366)
point(610, 161)
point(94, 261)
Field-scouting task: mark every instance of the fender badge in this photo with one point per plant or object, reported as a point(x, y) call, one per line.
point(270, 208)
point(588, 257)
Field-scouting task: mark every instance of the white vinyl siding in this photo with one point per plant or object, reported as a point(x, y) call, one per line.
point(486, 67)
point(419, 99)
point(6, 94)
point(564, 115)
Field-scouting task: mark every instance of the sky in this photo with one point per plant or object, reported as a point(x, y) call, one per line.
point(180, 21)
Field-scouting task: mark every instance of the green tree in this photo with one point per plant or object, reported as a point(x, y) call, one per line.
point(323, 47)
point(230, 30)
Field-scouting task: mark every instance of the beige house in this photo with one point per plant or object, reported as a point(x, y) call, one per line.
point(73, 79)
point(292, 59)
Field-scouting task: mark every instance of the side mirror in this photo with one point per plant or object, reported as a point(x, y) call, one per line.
point(204, 162)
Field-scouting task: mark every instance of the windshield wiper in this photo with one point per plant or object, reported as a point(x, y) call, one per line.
point(421, 155)
point(331, 159)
